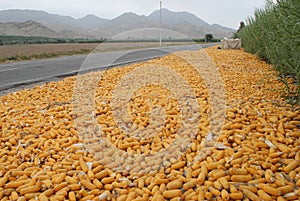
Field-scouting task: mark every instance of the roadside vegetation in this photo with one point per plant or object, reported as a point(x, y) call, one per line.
point(274, 35)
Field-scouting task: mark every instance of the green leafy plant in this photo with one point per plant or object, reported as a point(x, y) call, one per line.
point(274, 35)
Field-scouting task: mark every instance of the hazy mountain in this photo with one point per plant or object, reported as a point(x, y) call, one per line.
point(28, 28)
point(53, 21)
point(126, 22)
point(189, 24)
point(92, 26)
point(90, 22)
point(170, 18)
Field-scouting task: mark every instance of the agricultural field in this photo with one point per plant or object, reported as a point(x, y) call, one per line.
point(11, 53)
point(35, 51)
point(45, 155)
point(19, 39)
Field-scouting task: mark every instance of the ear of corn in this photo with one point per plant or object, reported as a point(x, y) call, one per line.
point(43, 157)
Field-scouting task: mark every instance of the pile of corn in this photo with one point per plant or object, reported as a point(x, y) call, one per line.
point(43, 157)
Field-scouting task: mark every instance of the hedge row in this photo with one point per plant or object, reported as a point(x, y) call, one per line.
point(274, 35)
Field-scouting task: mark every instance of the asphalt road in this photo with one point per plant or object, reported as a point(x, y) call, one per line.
point(16, 74)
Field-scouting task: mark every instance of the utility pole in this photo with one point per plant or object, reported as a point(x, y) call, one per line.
point(160, 24)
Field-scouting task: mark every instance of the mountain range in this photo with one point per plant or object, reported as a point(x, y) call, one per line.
point(41, 23)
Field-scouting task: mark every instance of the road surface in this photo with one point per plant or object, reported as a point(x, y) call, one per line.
point(13, 75)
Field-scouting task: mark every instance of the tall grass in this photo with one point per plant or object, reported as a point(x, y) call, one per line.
point(274, 35)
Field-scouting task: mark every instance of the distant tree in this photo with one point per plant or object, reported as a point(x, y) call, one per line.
point(1, 43)
point(242, 25)
point(236, 34)
point(208, 37)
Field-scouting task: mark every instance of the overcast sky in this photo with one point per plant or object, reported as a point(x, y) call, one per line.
point(224, 12)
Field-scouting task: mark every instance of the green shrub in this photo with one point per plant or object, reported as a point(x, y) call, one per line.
point(274, 35)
